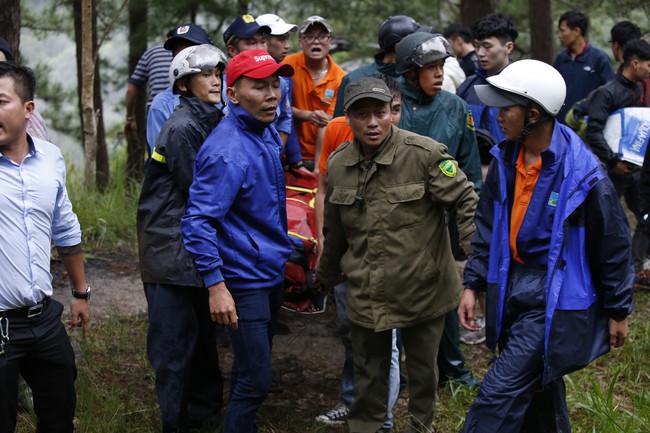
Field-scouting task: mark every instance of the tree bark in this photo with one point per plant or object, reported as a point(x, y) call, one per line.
point(10, 25)
point(473, 10)
point(138, 11)
point(102, 175)
point(101, 161)
point(89, 124)
point(540, 18)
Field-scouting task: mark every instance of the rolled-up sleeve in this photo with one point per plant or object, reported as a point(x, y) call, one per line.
point(66, 231)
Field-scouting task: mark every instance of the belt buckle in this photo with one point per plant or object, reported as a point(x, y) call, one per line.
point(35, 310)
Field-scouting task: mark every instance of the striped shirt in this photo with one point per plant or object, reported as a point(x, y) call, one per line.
point(153, 67)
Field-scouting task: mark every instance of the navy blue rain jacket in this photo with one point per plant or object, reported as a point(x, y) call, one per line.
point(590, 275)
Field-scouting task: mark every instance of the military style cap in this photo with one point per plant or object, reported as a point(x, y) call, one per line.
point(189, 32)
point(244, 27)
point(312, 20)
point(366, 87)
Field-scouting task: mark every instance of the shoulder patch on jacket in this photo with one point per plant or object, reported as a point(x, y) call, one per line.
point(470, 121)
point(448, 168)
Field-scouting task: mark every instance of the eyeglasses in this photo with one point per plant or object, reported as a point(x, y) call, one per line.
point(323, 37)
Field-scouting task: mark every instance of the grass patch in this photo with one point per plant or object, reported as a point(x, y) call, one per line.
point(116, 388)
point(107, 219)
point(115, 385)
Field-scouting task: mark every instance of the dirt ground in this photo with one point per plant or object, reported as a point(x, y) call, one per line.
point(115, 283)
point(310, 353)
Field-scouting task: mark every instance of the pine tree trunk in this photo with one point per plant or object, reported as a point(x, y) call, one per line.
point(473, 10)
point(540, 17)
point(102, 175)
point(135, 149)
point(89, 124)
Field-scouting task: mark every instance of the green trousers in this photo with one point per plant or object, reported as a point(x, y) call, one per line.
point(371, 352)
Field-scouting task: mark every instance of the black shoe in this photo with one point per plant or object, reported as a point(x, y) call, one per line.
point(210, 424)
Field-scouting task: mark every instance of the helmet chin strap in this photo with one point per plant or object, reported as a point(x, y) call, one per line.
point(529, 127)
point(415, 81)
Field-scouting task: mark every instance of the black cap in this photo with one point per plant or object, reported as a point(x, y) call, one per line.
point(189, 32)
point(6, 49)
point(244, 27)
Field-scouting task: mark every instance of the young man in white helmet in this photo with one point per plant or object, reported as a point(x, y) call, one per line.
point(552, 251)
point(181, 343)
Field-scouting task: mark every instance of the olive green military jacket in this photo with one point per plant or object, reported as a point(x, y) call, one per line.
point(386, 230)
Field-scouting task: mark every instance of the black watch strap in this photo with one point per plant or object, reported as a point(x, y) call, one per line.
point(82, 295)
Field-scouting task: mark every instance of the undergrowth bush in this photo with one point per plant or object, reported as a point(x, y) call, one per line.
point(107, 219)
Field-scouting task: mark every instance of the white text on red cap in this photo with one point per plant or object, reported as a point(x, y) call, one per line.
point(264, 58)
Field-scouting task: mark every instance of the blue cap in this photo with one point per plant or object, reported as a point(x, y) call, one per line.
point(244, 27)
point(189, 32)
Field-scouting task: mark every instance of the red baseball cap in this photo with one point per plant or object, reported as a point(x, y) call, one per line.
point(255, 64)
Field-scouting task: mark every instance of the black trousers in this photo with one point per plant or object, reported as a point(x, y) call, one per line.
point(628, 187)
point(39, 349)
point(512, 397)
point(182, 349)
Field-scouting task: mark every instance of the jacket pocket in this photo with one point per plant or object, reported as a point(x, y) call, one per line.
point(349, 205)
point(577, 291)
point(254, 251)
point(405, 204)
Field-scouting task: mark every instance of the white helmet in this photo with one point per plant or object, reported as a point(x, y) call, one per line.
point(534, 80)
point(195, 59)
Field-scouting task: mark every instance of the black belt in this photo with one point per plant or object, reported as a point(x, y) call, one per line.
point(28, 312)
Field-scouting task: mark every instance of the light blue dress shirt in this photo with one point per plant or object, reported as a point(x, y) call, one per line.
point(161, 108)
point(34, 212)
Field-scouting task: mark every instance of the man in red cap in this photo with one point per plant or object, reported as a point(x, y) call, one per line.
point(235, 227)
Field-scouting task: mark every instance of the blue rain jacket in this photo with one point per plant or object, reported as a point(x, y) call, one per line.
point(582, 236)
point(235, 227)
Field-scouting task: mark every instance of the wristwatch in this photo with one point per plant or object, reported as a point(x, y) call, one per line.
point(80, 295)
point(297, 165)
